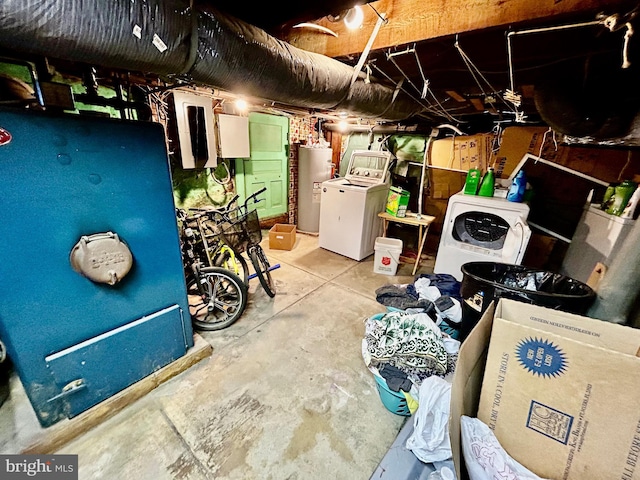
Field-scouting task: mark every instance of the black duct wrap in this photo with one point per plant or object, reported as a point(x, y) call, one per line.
point(167, 37)
point(147, 36)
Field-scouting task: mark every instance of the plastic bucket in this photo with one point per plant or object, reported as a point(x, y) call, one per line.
point(484, 282)
point(387, 255)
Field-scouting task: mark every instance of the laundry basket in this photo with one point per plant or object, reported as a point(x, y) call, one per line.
point(395, 402)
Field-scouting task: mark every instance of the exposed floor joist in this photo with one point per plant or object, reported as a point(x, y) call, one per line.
point(415, 20)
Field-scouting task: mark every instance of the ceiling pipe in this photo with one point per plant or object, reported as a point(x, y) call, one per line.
point(393, 129)
point(169, 38)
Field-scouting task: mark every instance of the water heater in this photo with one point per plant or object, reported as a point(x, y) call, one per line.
point(314, 167)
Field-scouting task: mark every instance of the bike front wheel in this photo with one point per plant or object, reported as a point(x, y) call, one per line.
point(217, 299)
point(234, 262)
point(262, 266)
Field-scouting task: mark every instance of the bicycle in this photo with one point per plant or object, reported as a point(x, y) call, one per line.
point(217, 297)
point(240, 229)
point(211, 246)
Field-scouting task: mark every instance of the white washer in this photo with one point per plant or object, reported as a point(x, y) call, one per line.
point(481, 229)
point(349, 206)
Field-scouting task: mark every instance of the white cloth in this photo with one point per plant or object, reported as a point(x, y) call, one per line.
point(484, 456)
point(425, 290)
point(453, 313)
point(430, 441)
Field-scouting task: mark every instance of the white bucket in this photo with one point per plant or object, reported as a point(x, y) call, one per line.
point(387, 255)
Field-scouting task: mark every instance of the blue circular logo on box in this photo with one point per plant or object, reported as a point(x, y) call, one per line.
point(541, 357)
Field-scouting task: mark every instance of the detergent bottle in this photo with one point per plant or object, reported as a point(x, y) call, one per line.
point(488, 184)
point(518, 187)
point(472, 182)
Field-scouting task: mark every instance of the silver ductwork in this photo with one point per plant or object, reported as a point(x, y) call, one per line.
point(169, 38)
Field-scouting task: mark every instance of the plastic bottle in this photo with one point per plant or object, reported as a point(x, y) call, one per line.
point(518, 187)
point(621, 197)
point(445, 473)
point(488, 184)
point(472, 182)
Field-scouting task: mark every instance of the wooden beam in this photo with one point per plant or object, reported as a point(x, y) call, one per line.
point(415, 20)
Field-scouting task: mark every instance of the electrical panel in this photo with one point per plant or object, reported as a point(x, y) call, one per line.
point(196, 136)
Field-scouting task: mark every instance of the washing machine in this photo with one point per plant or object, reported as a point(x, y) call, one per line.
point(481, 229)
point(349, 205)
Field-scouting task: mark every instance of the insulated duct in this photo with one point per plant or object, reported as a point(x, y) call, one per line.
point(167, 37)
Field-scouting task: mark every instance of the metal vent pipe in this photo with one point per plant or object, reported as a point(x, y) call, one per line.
point(168, 37)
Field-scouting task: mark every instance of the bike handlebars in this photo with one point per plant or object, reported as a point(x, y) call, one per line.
point(223, 211)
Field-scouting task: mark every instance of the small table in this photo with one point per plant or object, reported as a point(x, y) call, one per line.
point(411, 218)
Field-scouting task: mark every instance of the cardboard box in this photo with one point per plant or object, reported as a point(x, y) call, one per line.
point(397, 202)
point(463, 152)
point(559, 391)
point(606, 164)
point(444, 183)
point(518, 141)
point(282, 236)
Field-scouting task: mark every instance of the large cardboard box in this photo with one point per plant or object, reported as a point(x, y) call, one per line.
point(559, 391)
point(463, 152)
point(445, 183)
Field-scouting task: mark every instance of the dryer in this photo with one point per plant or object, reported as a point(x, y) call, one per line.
point(480, 229)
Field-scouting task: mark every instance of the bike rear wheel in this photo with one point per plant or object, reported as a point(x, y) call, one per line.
point(261, 266)
point(217, 299)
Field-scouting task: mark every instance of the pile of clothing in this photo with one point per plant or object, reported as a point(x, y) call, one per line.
point(416, 337)
point(413, 346)
point(437, 295)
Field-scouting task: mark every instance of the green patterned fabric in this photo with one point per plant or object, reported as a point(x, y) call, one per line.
point(408, 341)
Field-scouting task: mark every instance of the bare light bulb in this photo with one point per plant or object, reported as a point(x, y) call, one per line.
point(354, 18)
point(241, 105)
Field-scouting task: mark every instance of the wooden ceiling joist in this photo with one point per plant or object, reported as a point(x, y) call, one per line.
point(415, 20)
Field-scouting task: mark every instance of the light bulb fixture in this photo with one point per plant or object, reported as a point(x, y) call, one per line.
point(343, 125)
point(241, 105)
point(354, 18)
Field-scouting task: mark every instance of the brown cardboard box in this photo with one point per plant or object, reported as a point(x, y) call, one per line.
point(463, 152)
point(559, 391)
point(518, 141)
point(282, 236)
point(608, 164)
point(444, 183)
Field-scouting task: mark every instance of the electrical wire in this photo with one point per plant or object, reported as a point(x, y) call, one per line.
point(478, 75)
point(430, 107)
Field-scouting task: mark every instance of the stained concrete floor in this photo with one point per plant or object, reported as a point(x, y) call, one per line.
point(284, 395)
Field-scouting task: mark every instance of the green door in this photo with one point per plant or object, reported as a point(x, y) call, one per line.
point(268, 164)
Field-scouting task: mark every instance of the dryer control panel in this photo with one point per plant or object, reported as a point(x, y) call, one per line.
point(482, 229)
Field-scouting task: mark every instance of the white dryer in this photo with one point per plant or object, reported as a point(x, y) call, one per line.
point(481, 229)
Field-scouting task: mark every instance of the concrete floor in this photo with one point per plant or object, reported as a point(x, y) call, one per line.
point(284, 395)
